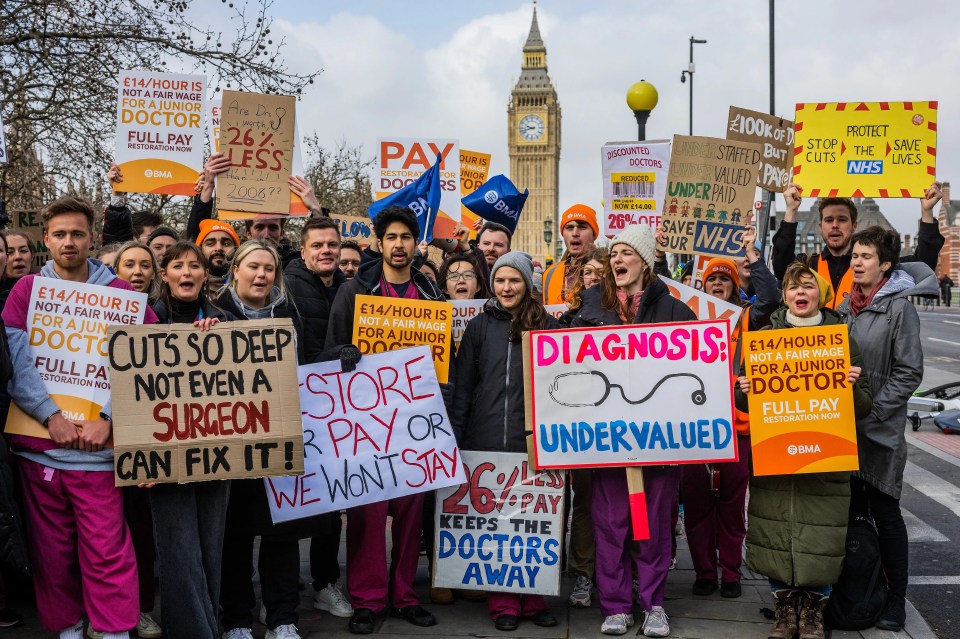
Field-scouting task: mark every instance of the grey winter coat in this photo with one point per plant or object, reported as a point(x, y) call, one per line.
point(888, 332)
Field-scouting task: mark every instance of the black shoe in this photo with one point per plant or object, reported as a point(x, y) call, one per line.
point(704, 587)
point(544, 618)
point(730, 589)
point(362, 622)
point(894, 614)
point(10, 618)
point(417, 615)
point(507, 622)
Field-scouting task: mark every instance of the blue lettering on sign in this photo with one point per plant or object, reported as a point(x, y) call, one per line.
point(578, 437)
point(714, 238)
point(864, 167)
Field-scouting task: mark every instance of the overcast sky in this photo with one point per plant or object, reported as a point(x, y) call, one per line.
point(445, 69)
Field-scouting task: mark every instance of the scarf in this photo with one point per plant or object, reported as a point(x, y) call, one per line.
point(801, 322)
point(278, 299)
point(627, 308)
point(859, 301)
point(184, 312)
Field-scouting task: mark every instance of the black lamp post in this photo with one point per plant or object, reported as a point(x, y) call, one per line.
point(689, 72)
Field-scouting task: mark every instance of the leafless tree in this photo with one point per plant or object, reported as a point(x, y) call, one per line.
point(340, 176)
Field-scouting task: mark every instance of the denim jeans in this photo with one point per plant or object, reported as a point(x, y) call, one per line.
point(188, 525)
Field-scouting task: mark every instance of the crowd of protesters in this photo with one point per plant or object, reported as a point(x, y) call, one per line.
point(94, 550)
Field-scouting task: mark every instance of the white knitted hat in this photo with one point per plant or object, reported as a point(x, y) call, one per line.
point(639, 237)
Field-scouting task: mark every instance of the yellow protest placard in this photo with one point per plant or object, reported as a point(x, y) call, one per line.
point(382, 324)
point(801, 404)
point(474, 167)
point(865, 149)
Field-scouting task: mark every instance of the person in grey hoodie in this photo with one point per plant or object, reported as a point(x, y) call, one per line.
point(886, 325)
point(80, 547)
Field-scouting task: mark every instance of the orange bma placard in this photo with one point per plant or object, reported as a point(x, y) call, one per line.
point(801, 404)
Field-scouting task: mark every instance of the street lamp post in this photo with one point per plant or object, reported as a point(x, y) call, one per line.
point(548, 237)
point(642, 97)
point(689, 72)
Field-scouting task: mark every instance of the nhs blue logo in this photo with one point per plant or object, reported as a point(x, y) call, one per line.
point(864, 167)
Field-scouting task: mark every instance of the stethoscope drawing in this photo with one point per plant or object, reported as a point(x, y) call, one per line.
point(698, 397)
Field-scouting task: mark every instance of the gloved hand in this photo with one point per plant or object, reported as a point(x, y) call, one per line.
point(349, 358)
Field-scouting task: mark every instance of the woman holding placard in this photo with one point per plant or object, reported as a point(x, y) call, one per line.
point(882, 318)
point(630, 293)
point(487, 412)
point(798, 523)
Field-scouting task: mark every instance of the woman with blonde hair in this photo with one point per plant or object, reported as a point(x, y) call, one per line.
point(135, 263)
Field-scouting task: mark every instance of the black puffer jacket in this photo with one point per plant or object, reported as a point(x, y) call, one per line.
point(487, 410)
point(313, 300)
point(656, 306)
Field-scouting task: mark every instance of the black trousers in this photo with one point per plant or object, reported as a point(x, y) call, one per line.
point(867, 501)
point(325, 550)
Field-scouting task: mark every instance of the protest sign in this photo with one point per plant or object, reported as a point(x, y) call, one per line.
point(556, 309)
point(374, 433)
point(801, 404)
point(196, 405)
point(502, 529)
point(634, 184)
point(400, 161)
point(866, 149)
point(257, 134)
point(704, 305)
point(3, 143)
point(710, 191)
point(159, 143)
point(29, 223)
point(383, 324)
point(353, 228)
point(463, 312)
point(67, 326)
point(474, 167)
point(213, 124)
point(589, 385)
point(775, 135)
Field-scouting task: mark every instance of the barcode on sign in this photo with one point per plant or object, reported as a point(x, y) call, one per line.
point(633, 189)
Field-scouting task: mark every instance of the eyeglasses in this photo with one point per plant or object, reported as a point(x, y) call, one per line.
point(468, 276)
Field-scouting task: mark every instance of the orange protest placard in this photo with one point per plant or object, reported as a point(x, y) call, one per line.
point(474, 167)
point(801, 404)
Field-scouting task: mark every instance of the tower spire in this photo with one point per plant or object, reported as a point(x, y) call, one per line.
point(534, 40)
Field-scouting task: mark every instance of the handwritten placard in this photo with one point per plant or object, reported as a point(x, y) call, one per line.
point(775, 135)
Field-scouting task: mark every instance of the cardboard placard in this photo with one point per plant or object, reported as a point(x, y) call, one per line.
point(703, 305)
point(632, 395)
point(474, 167)
point(400, 161)
point(710, 193)
point(776, 137)
point(556, 309)
point(501, 530)
point(159, 144)
point(382, 324)
point(354, 228)
point(193, 405)
point(32, 225)
point(257, 134)
point(463, 312)
point(801, 404)
point(866, 149)
point(67, 325)
point(377, 432)
point(634, 184)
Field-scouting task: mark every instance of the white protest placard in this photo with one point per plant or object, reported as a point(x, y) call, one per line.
point(463, 312)
point(501, 530)
point(67, 326)
point(634, 183)
point(556, 309)
point(377, 432)
point(159, 144)
point(3, 143)
point(703, 305)
point(400, 161)
point(631, 395)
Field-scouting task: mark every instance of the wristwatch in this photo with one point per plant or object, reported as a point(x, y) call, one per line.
point(46, 422)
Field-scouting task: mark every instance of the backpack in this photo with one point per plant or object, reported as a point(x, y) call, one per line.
point(858, 597)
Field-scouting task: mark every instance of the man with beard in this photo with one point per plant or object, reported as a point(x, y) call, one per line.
point(493, 240)
point(838, 221)
point(578, 226)
point(349, 258)
point(370, 588)
point(218, 242)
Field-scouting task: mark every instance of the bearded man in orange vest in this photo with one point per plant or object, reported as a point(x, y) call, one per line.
point(838, 221)
point(578, 226)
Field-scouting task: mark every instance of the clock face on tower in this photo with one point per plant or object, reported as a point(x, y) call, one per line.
point(532, 127)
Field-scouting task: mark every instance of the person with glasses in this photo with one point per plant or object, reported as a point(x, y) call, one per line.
point(460, 278)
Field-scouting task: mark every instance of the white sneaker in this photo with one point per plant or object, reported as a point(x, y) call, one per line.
point(147, 628)
point(288, 631)
point(238, 633)
point(616, 624)
point(580, 596)
point(332, 600)
point(656, 623)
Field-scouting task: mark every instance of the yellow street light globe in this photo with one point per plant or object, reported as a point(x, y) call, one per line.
point(642, 96)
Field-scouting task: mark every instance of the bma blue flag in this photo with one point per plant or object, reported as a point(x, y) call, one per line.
point(422, 197)
point(497, 200)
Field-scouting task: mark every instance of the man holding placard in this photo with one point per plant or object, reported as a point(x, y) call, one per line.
point(397, 231)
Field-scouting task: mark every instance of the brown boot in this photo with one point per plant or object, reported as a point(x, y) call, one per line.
point(811, 615)
point(786, 615)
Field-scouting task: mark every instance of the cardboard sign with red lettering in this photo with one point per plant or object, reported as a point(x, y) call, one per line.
point(191, 405)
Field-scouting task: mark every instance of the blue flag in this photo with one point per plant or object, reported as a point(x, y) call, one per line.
point(422, 197)
point(497, 200)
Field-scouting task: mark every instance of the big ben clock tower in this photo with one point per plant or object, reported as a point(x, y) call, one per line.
point(533, 137)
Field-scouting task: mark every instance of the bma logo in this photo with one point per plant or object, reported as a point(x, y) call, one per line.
point(157, 173)
point(803, 449)
point(864, 167)
point(491, 196)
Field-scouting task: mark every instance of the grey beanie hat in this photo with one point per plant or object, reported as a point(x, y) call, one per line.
point(518, 260)
point(639, 237)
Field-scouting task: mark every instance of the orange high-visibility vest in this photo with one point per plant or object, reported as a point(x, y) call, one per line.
point(846, 282)
point(553, 279)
